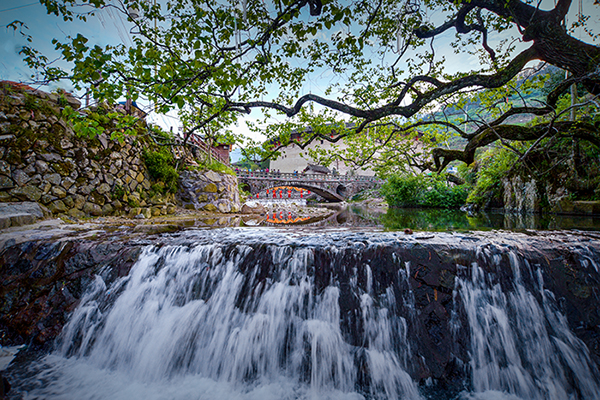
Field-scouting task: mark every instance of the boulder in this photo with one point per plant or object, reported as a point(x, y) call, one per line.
point(210, 188)
point(253, 208)
point(17, 214)
point(58, 207)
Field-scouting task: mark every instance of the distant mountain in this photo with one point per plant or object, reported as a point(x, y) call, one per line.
point(474, 111)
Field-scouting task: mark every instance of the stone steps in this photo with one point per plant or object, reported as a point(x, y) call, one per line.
point(19, 214)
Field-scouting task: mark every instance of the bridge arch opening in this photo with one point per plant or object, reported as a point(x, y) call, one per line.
point(245, 187)
point(341, 190)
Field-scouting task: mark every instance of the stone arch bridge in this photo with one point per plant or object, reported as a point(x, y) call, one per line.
point(333, 188)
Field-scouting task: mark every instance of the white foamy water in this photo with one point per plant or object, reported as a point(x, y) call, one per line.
point(521, 345)
point(187, 324)
point(251, 321)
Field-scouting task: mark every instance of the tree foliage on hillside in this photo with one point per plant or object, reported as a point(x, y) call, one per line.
point(225, 57)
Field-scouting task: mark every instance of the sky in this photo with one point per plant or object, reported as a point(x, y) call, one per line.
point(109, 27)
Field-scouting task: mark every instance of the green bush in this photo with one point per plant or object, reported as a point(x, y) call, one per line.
point(402, 191)
point(118, 192)
point(423, 191)
point(161, 167)
point(493, 165)
point(220, 167)
point(213, 165)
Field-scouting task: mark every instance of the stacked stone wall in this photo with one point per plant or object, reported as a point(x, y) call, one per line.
point(209, 191)
point(43, 160)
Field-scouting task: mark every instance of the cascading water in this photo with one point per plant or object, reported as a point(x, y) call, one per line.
point(520, 342)
point(234, 314)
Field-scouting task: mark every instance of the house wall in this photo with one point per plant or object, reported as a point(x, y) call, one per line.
point(293, 158)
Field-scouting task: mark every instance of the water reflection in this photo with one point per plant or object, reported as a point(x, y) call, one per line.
point(439, 220)
point(400, 219)
point(430, 220)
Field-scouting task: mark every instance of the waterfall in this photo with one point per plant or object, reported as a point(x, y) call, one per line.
point(239, 315)
point(520, 342)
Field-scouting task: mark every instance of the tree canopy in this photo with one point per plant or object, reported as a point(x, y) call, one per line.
point(225, 58)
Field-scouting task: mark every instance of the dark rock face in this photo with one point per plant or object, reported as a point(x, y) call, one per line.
point(427, 297)
point(43, 281)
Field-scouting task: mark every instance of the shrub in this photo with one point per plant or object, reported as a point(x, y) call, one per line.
point(423, 191)
point(402, 191)
point(220, 167)
point(213, 165)
point(493, 165)
point(160, 165)
point(118, 192)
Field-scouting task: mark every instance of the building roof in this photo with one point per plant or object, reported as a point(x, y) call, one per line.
point(317, 168)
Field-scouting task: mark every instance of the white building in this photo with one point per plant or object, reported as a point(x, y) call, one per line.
point(293, 158)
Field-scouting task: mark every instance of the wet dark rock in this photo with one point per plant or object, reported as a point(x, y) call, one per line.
point(4, 386)
point(43, 281)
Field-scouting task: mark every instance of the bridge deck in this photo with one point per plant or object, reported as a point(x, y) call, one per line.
point(306, 177)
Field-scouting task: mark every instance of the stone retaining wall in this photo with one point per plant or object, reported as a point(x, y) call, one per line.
point(43, 160)
point(208, 191)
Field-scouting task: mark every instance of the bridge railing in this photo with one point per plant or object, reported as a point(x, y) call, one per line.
point(305, 177)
